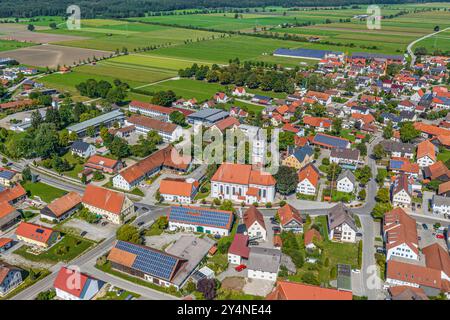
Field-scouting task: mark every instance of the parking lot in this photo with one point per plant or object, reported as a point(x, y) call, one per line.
point(95, 232)
point(428, 236)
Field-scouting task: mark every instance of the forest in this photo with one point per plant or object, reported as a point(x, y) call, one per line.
point(136, 8)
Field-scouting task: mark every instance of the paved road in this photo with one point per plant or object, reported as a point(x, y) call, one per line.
point(409, 48)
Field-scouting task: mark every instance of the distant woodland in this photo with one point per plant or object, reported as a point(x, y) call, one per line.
point(135, 8)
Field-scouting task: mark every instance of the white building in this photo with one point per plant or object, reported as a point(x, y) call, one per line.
point(241, 183)
point(341, 224)
point(263, 263)
point(426, 154)
point(82, 149)
point(202, 220)
point(239, 250)
point(74, 285)
point(401, 192)
point(176, 190)
point(346, 182)
point(308, 180)
point(400, 235)
point(151, 110)
point(441, 205)
point(254, 221)
point(169, 132)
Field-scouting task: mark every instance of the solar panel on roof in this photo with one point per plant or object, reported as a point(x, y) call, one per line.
point(396, 164)
point(149, 261)
point(331, 141)
point(203, 216)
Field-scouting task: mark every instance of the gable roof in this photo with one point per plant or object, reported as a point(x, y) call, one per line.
point(65, 203)
point(310, 173)
point(242, 174)
point(151, 107)
point(201, 216)
point(152, 124)
point(102, 198)
point(329, 141)
point(407, 293)
point(80, 146)
point(12, 194)
point(5, 269)
point(177, 187)
point(412, 273)
point(6, 209)
point(310, 235)
point(65, 281)
point(437, 258)
point(251, 215)
point(288, 213)
point(34, 232)
point(347, 154)
point(286, 290)
point(444, 187)
point(400, 228)
point(402, 183)
point(426, 149)
point(301, 153)
point(97, 160)
point(340, 214)
point(227, 123)
point(437, 170)
point(239, 246)
point(347, 174)
point(431, 129)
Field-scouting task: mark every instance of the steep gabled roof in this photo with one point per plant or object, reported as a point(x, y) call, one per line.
point(251, 215)
point(400, 228)
point(102, 198)
point(340, 214)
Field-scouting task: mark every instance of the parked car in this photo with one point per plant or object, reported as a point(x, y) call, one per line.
point(275, 228)
point(254, 243)
point(141, 223)
point(424, 226)
point(439, 236)
point(380, 250)
point(359, 234)
point(104, 223)
point(83, 233)
point(240, 267)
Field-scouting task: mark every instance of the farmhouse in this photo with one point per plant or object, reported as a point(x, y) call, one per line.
point(426, 154)
point(82, 149)
point(167, 158)
point(240, 182)
point(402, 191)
point(61, 208)
point(106, 165)
point(169, 132)
point(398, 149)
point(298, 157)
point(106, 120)
point(198, 219)
point(13, 195)
point(111, 205)
point(263, 263)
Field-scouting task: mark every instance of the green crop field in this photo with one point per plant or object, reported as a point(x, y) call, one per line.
point(6, 45)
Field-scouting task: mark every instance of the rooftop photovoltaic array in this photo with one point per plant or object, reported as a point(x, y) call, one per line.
point(150, 261)
point(201, 216)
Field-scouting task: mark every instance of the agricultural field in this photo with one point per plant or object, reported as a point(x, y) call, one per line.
point(6, 45)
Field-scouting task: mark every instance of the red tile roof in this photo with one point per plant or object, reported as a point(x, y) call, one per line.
point(242, 174)
point(152, 124)
point(430, 129)
point(437, 258)
point(317, 122)
point(5, 241)
point(310, 173)
point(400, 229)
point(99, 161)
point(70, 281)
point(426, 148)
point(251, 215)
point(286, 290)
point(12, 194)
point(287, 213)
point(239, 246)
point(177, 187)
point(16, 104)
point(102, 198)
point(310, 235)
point(151, 107)
point(227, 123)
point(412, 273)
point(6, 209)
point(34, 232)
point(67, 202)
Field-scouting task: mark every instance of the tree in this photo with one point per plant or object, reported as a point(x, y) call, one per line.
point(362, 194)
point(310, 278)
point(227, 205)
point(378, 152)
point(287, 180)
point(30, 27)
point(119, 148)
point(286, 139)
point(207, 287)
point(164, 98)
point(178, 118)
point(337, 126)
point(53, 25)
point(408, 132)
point(333, 171)
point(26, 174)
point(388, 131)
point(362, 148)
point(46, 140)
point(381, 176)
point(363, 174)
point(129, 233)
point(383, 195)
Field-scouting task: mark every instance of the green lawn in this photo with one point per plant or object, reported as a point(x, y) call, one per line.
point(44, 191)
point(6, 45)
point(444, 156)
point(65, 250)
point(78, 164)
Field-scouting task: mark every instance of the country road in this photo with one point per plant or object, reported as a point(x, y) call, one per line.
point(409, 48)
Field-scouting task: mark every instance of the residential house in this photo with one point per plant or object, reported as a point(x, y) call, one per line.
point(254, 221)
point(345, 157)
point(401, 191)
point(320, 97)
point(111, 205)
point(9, 216)
point(166, 158)
point(227, 123)
point(82, 149)
point(9, 177)
point(13, 195)
point(430, 131)
point(441, 205)
point(309, 237)
point(239, 92)
point(398, 149)
point(62, 208)
point(437, 258)
point(318, 124)
point(221, 97)
point(437, 171)
point(400, 235)
point(10, 278)
point(261, 99)
point(239, 250)
point(426, 154)
point(240, 182)
point(341, 224)
point(403, 166)
point(5, 244)
point(263, 263)
point(199, 219)
point(71, 284)
point(103, 164)
point(169, 132)
point(308, 180)
point(444, 189)
point(407, 293)
point(178, 190)
point(346, 182)
point(286, 290)
point(290, 219)
point(36, 235)
point(298, 157)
